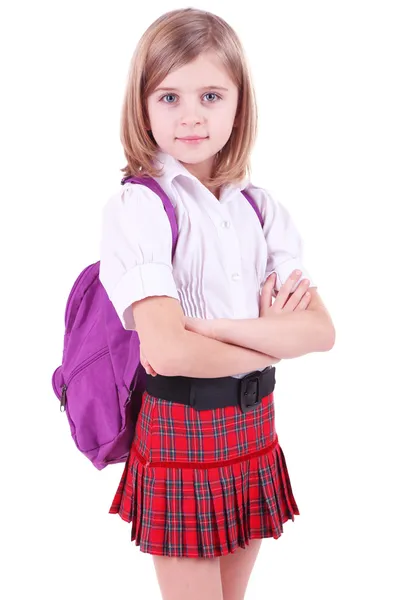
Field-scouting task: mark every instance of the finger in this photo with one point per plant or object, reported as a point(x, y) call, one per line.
point(296, 296)
point(286, 290)
point(149, 369)
point(266, 293)
point(146, 366)
point(304, 302)
point(269, 283)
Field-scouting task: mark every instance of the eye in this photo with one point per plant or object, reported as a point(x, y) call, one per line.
point(167, 96)
point(215, 96)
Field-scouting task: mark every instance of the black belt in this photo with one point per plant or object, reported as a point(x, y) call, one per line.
point(208, 393)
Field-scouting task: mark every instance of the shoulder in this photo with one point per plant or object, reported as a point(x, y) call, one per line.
point(264, 199)
point(133, 196)
point(135, 202)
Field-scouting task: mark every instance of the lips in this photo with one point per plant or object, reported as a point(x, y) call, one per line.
point(191, 138)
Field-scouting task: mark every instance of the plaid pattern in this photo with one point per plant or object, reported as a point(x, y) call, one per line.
point(202, 483)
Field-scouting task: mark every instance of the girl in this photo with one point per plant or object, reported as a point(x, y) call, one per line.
point(206, 478)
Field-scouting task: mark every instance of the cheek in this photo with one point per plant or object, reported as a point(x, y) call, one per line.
point(152, 112)
point(224, 119)
point(159, 118)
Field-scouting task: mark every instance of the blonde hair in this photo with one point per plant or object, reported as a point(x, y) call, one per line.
point(173, 40)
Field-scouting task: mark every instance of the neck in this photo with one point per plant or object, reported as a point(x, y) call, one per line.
point(201, 170)
point(215, 191)
point(203, 173)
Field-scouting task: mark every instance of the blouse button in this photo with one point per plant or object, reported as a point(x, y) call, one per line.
point(235, 276)
point(225, 224)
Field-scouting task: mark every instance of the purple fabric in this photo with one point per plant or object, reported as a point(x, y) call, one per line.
point(254, 205)
point(157, 189)
point(101, 381)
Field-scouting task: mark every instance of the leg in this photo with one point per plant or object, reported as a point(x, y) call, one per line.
point(236, 569)
point(184, 578)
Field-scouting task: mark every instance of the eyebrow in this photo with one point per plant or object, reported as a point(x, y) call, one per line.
point(208, 87)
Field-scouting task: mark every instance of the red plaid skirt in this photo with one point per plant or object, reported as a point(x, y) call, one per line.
point(203, 483)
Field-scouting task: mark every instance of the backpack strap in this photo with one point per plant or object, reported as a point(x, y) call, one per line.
point(169, 209)
point(254, 205)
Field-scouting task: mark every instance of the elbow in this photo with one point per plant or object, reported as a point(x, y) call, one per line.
point(166, 359)
point(165, 366)
point(328, 339)
point(323, 334)
point(332, 338)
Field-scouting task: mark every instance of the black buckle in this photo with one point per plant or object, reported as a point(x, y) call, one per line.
point(250, 391)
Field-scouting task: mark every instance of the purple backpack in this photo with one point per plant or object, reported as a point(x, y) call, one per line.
point(101, 381)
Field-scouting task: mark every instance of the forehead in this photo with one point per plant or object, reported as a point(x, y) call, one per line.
point(204, 71)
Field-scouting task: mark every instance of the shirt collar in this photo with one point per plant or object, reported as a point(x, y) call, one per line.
point(172, 168)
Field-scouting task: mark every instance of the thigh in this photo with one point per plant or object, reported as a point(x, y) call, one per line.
point(183, 578)
point(236, 569)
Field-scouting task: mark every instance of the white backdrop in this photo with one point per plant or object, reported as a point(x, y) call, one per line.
point(327, 83)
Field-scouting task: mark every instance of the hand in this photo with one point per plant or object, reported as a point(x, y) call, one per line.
point(146, 365)
point(285, 301)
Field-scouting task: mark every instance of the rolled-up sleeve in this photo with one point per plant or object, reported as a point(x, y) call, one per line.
point(135, 250)
point(284, 243)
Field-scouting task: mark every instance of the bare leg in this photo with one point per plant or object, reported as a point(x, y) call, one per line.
point(188, 578)
point(236, 569)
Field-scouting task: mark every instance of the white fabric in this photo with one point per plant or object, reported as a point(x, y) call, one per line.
point(223, 256)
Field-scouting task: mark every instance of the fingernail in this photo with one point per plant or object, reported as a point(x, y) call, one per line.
point(297, 272)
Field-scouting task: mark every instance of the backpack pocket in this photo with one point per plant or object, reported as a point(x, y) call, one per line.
point(91, 401)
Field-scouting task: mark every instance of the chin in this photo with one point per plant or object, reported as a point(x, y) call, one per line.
point(195, 156)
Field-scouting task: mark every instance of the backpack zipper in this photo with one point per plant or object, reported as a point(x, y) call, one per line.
point(63, 400)
point(76, 371)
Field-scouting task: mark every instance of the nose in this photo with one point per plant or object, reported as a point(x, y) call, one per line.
point(191, 121)
point(192, 114)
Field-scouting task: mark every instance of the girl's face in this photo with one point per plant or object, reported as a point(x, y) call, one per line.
point(197, 100)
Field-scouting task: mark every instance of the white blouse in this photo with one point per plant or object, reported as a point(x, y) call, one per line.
point(222, 257)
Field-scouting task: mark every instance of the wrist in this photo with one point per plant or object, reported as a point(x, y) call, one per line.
point(217, 329)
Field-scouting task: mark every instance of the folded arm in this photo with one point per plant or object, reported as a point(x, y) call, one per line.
point(284, 335)
point(171, 350)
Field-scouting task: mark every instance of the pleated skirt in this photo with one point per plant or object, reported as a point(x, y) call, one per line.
point(203, 483)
